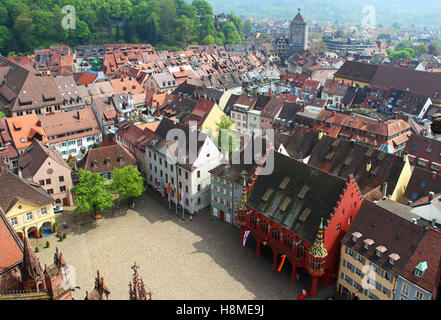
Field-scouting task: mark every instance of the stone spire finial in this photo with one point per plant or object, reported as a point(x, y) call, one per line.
point(137, 289)
point(31, 265)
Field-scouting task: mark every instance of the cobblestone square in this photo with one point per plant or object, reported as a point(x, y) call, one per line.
point(199, 259)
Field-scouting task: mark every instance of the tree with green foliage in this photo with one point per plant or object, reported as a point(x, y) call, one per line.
point(91, 193)
point(421, 49)
point(247, 27)
point(127, 183)
point(237, 23)
point(407, 53)
point(224, 132)
point(434, 48)
point(26, 25)
point(208, 40)
point(318, 47)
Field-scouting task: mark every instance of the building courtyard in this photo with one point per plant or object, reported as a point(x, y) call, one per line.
point(178, 259)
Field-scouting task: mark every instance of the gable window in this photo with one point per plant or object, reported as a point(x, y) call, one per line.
point(48, 181)
point(43, 211)
point(63, 189)
point(29, 216)
point(61, 178)
point(14, 221)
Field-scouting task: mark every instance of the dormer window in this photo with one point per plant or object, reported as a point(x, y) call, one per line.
point(393, 258)
point(419, 269)
point(380, 250)
point(356, 236)
point(368, 243)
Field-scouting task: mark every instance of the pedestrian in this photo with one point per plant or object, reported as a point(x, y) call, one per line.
point(191, 216)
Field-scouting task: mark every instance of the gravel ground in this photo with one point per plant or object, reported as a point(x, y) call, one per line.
point(179, 260)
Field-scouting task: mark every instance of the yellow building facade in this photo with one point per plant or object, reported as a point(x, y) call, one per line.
point(214, 117)
point(352, 82)
point(29, 218)
point(358, 276)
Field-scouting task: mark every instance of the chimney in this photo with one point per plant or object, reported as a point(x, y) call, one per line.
point(431, 195)
point(414, 220)
point(433, 175)
point(270, 91)
point(19, 173)
point(320, 134)
point(434, 223)
point(384, 189)
point(303, 107)
point(368, 166)
point(405, 157)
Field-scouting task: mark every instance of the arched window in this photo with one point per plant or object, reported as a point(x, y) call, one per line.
point(253, 220)
point(275, 234)
point(263, 225)
point(241, 216)
point(301, 251)
point(316, 263)
point(288, 242)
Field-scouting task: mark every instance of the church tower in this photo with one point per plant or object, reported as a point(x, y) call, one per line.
point(298, 32)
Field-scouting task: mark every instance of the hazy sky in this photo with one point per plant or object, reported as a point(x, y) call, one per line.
point(406, 12)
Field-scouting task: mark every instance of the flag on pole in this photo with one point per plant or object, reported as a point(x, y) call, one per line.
point(167, 189)
point(245, 237)
point(182, 198)
point(281, 263)
point(176, 193)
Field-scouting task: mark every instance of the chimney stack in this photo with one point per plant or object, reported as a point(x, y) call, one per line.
point(368, 166)
point(405, 157)
point(433, 175)
point(431, 195)
point(320, 134)
point(384, 189)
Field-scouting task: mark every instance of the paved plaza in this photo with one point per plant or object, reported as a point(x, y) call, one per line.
point(199, 259)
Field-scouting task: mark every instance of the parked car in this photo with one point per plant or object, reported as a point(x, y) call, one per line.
point(58, 209)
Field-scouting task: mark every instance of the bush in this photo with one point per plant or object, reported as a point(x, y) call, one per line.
point(55, 226)
point(47, 244)
point(64, 235)
point(37, 249)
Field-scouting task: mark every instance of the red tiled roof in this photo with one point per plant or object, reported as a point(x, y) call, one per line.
point(11, 251)
point(429, 250)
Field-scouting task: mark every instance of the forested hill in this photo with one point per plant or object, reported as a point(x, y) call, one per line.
point(404, 12)
point(169, 24)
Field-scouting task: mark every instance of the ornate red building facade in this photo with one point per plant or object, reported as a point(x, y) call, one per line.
point(302, 213)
